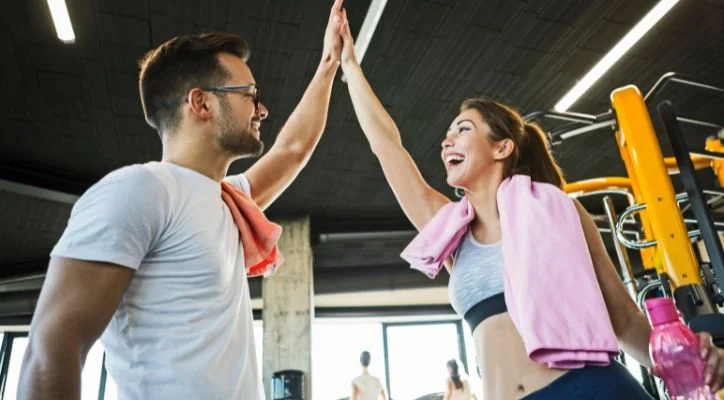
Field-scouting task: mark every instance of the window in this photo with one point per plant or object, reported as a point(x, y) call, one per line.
point(259, 344)
point(417, 357)
point(90, 377)
point(17, 351)
point(416, 354)
point(476, 384)
point(336, 348)
point(111, 392)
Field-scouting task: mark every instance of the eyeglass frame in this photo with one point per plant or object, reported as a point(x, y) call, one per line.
point(255, 97)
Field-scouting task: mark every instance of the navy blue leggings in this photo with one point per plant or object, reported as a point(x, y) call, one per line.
point(593, 383)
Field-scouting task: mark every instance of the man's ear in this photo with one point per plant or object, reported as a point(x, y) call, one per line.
point(198, 102)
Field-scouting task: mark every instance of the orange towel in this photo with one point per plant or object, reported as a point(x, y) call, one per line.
point(258, 235)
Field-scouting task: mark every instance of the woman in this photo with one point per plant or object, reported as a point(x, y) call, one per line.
point(366, 386)
point(458, 387)
point(485, 144)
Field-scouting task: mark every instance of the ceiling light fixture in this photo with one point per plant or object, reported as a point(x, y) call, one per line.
point(633, 36)
point(61, 20)
point(362, 42)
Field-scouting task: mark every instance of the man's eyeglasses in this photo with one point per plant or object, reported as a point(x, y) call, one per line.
point(254, 94)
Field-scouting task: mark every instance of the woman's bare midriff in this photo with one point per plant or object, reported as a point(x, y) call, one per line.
point(507, 372)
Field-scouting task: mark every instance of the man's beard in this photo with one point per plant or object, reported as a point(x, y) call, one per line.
point(235, 139)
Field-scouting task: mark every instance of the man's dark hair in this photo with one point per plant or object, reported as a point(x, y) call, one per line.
point(169, 71)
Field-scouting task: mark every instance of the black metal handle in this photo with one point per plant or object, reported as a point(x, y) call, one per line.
point(678, 78)
point(595, 122)
point(693, 188)
point(565, 116)
point(695, 299)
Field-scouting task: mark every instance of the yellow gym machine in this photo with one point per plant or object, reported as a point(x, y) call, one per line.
point(680, 263)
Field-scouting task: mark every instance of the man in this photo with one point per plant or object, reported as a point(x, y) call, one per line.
point(151, 256)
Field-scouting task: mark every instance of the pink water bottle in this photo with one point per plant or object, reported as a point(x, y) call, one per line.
point(675, 352)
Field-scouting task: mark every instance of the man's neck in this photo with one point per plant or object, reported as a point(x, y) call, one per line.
point(197, 157)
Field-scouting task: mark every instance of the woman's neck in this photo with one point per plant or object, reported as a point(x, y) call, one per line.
point(484, 199)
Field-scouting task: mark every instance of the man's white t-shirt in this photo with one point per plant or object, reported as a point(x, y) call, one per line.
point(183, 329)
point(369, 387)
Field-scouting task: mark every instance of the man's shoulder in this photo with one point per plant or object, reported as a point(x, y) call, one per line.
point(133, 183)
point(134, 172)
point(146, 176)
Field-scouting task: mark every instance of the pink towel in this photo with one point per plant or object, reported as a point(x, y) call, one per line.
point(258, 235)
point(551, 290)
point(441, 236)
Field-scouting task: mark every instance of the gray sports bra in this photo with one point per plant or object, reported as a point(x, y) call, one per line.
point(476, 283)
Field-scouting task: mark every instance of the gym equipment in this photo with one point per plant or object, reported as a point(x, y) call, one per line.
point(287, 385)
point(654, 223)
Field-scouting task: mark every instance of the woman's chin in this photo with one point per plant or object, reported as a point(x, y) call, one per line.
point(454, 182)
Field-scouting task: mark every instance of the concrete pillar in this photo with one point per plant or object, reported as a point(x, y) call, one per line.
point(289, 307)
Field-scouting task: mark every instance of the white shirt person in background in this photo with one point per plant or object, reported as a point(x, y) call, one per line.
point(366, 386)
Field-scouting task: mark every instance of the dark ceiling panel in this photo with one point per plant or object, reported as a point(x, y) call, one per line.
point(520, 61)
point(123, 58)
point(130, 8)
point(421, 17)
point(630, 12)
point(119, 29)
point(496, 15)
point(74, 115)
point(543, 35)
point(567, 12)
point(606, 34)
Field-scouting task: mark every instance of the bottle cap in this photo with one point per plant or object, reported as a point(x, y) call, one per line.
point(661, 310)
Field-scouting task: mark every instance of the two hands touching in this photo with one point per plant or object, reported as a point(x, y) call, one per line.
point(332, 48)
point(338, 43)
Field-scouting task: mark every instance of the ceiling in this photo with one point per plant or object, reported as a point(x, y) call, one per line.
point(70, 113)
